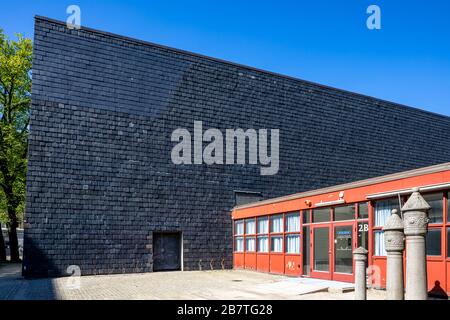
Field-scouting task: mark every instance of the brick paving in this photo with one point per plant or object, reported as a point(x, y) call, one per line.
point(223, 284)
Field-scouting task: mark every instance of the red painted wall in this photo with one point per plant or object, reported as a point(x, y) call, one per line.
point(281, 263)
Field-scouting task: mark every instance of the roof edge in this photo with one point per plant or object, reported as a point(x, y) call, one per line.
point(190, 53)
point(351, 185)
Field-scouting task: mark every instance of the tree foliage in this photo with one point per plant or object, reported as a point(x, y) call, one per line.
point(15, 101)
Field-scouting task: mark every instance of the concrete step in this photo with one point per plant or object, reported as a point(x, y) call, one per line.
point(341, 289)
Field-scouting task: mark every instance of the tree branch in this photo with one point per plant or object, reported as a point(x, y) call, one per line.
point(11, 94)
point(3, 84)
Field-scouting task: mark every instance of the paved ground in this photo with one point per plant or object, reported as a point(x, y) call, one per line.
point(223, 284)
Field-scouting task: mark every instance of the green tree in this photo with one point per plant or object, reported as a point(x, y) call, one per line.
point(15, 101)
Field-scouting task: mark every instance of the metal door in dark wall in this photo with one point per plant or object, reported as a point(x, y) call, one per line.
point(166, 251)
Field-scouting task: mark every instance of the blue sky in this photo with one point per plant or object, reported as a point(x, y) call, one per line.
point(407, 61)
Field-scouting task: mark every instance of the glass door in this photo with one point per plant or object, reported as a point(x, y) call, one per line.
point(343, 252)
point(332, 246)
point(321, 252)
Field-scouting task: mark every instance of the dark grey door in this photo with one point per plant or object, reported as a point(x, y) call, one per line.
point(321, 257)
point(166, 251)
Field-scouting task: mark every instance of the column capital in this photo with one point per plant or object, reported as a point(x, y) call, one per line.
point(416, 202)
point(360, 254)
point(415, 217)
point(393, 233)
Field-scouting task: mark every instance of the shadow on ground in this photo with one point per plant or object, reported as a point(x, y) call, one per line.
point(14, 287)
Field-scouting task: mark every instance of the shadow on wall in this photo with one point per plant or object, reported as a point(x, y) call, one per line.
point(35, 263)
point(437, 291)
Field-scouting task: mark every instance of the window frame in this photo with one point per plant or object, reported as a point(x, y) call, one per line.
point(234, 227)
point(235, 235)
point(447, 235)
point(298, 232)
point(435, 257)
point(402, 201)
point(358, 222)
point(354, 216)
point(440, 225)
point(373, 227)
point(293, 234)
point(282, 223)
point(263, 234)
point(299, 222)
point(277, 234)
point(446, 226)
point(305, 213)
point(432, 224)
point(445, 241)
point(243, 244)
point(378, 231)
point(358, 216)
point(259, 236)
point(330, 215)
point(245, 228)
point(265, 217)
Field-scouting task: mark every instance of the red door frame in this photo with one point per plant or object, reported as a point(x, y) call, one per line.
point(326, 275)
point(345, 277)
point(330, 274)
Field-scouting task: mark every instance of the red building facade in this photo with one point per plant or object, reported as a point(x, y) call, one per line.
point(313, 234)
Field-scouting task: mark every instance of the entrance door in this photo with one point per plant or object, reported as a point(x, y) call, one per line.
point(166, 251)
point(332, 251)
point(343, 252)
point(321, 253)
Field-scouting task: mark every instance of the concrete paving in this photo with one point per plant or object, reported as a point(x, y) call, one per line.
point(221, 284)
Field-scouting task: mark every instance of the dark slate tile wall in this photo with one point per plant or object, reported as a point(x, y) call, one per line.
point(100, 177)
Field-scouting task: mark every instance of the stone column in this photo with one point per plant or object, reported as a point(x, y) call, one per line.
point(394, 242)
point(360, 256)
point(415, 222)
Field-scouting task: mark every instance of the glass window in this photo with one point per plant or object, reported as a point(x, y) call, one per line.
point(293, 222)
point(276, 223)
point(306, 250)
point(448, 242)
point(250, 244)
point(263, 244)
point(321, 215)
point(448, 208)
point(343, 256)
point(250, 226)
point(263, 225)
point(363, 235)
point(293, 243)
point(244, 197)
point(239, 227)
point(305, 216)
point(239, 244)
point(321, 257)
point(363, 210)
point(344, 213)
point(433, 242)
point(383, 210)
point(380, 249)
point(276, 244)
point(435, 201)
